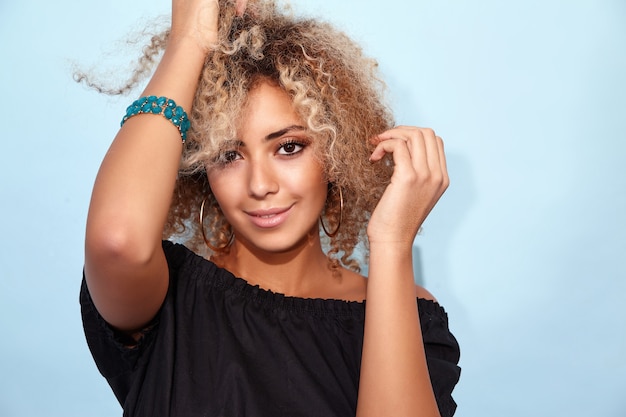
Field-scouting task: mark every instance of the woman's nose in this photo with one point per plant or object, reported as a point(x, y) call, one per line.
point(263, 180)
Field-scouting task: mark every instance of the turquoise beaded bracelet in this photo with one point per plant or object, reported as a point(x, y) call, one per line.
point(160, 105)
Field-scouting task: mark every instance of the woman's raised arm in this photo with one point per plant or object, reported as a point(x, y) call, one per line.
point(394, 374)
point(125, 267)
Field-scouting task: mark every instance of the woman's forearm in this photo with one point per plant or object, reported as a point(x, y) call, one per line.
point(394, 375)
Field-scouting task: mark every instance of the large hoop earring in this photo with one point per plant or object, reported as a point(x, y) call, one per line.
point(206, 241)
point(334, 233)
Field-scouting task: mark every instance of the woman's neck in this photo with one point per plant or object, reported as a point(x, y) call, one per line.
point(302, 271)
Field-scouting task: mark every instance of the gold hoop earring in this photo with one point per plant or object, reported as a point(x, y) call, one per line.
point(334, 233)
point(206, 241)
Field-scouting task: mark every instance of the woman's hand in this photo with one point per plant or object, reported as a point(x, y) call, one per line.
point(419, 179)
point(198, 20)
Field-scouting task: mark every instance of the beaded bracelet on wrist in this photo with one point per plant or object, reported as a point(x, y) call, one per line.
point(160, 105)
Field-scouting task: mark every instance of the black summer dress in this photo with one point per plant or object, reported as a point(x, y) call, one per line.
point(220, 347)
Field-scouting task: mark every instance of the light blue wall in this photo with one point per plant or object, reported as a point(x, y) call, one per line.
point(525, 250)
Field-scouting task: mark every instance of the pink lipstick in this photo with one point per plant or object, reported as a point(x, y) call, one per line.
point(268, 218)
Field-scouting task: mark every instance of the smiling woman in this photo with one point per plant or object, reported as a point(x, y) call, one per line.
point(286, 128)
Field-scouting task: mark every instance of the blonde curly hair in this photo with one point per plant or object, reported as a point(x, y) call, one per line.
point(335, 90)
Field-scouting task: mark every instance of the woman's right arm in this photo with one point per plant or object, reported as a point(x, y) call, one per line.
point(125, 267)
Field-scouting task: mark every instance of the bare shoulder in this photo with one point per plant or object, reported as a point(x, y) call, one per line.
point(354, 288)
point(421, 292)
point(354, 285)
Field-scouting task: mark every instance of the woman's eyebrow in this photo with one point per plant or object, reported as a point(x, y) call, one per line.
point(281, 132)
point(237, 143)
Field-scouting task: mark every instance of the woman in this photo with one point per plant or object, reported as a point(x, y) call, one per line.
point(286, 133)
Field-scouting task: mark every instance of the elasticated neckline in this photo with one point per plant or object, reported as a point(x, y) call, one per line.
point(224, 280)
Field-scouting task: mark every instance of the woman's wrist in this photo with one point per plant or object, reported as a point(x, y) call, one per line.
point(390, 254)
point(391, 246)
point(177, 74)
point(187, 45)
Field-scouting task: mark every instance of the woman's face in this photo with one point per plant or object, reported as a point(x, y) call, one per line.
point(268, 181)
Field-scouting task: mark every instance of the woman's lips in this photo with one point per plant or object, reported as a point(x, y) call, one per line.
point(269, 218)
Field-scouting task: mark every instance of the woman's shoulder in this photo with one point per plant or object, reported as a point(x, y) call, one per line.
point(354, 288)
point(351, 286)
point(184, 263)
point(423, 293)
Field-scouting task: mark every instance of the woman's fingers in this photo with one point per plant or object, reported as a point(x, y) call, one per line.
point(419, 179)
point(198, 19)
point(401, 155)
point(240, 7)
point(425, 148)
point(389, 146)
point(442, 161)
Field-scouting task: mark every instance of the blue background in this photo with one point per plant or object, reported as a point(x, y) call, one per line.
point(525, 250)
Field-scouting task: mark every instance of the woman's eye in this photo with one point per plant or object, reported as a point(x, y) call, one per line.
point(290, 148)
point(228, 157)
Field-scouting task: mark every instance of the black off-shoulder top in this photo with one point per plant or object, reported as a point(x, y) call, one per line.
point(222, 347)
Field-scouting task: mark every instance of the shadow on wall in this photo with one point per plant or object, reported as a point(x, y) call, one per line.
point(434, 242)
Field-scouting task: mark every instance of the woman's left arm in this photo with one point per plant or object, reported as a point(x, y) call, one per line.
point(394, 374)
